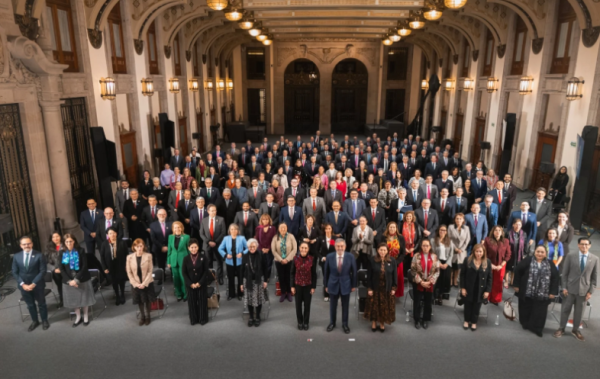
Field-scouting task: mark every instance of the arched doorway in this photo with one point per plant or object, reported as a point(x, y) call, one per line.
point(349, 97)
point(301, 97)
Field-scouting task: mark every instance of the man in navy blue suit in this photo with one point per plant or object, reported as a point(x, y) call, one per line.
point(88, 222)
point(479, 187)
point(339, 280)
point(477, 224)
point(292, 216)
point(529, 221)
point(28, 269)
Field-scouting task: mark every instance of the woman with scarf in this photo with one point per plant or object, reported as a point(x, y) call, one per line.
point(553, 246)
point(254, 282)
point(536, 285)
point(444, 249)
point(139, 271)
point(201, 172)
point(53, 258)
point(195, 275)
point(491, 178)
point(281, 178)
point(518, 243)
point(425, 270)
point(284, 248)
point(326, 246)
point(303, 281)
point(412, 233)
point(397, 250)
point(382, 279)
point(456, 179)
point(559, 184)
point(385, 197)
point(475, 285)
point(498, 251)
point(176, 178)
point(113, 257)
point(460, 235)
point(78, 291)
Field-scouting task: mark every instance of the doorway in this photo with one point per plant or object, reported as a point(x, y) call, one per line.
point(301, 97)
point(458, 128)
point(592, 216)
point(479, 134)
point(394, 103)
point(183, 136)
point(129, 157)
point(256, 106)
point(349, 91)
point(544, 153)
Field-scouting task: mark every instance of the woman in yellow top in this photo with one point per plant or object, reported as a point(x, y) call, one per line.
point(177, 250)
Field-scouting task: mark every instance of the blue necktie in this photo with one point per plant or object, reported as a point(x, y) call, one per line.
point(354, 209)
point(582, 263)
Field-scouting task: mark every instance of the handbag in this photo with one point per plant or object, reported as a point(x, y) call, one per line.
point(277, 289)
point(157, 305)
point(213, 300)
point(509, 311)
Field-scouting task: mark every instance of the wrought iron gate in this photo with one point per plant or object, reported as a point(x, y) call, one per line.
point(16, 198)
point(79, 151)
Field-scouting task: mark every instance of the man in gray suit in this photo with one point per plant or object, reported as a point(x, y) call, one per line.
point(333, 194)
point(353, 207)
point(212, 232)
point(579, 276)
point(429, 189)
point(543, 211)
point(314, 206)
point(174, 198)
point(256, 195)
point(271, 208)
point(121, 196)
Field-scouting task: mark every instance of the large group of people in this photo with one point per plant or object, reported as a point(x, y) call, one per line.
point(396, 208)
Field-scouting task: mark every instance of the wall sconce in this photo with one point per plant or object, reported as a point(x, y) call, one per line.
point(268, 41)
point(404, 31)
point(194, 86)
point(147, 87)
point(174, 85)
point(468, 84)
point(492, 85)
point(424, 85)
point(449, 84)
point(220, 84)
point(108, 89)
point(416, 23)
point(229, 84)
point(526, 85)
point(575, 89)
point(208, 84)
point(387, 41)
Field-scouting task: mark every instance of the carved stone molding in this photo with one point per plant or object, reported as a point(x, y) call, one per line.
point(95, 37)
point(168, 52)
point(139, 46)
point(188, 55)
point(455, 59)
point(370, 53)
point(536, 45)
point(32, 56)
point(28, 26)
point(589, 36)
point(501, 51)
point(475, 55)
point(284, 52)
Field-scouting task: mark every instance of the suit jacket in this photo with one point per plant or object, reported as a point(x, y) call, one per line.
point(445, 216)
point(175, 255)
point(195, 220)
point(228, 212)
point(300, 195)
point(441, 185)
point(577, 282)
point(416, 203)
point(338, 283)
point(88, 225)
point(197, 273)
point(183, 212)
point(274, 212)
point(406, 172)
point(390, 271)
point(295, 223)
point(116, 223)
point(512, 192)
point(246, 229)
point(34, 273)
point(177, 162)
point(135, 227)
point(435, 193)
point(255, 202)
point(467, 175)
point(479, 232)
point(253, 173)
point(120, 200)
point(479, 191)
point(214, 195)
point(158, 239)
point(530, 227)
point(106, 260)
point(492, 220)
point(329, 198)
point(342, 223)
point(544, 214)
point(241, 194)
point(433, 221)
point(318, 213)
point(435, 172)
point(379, 224)
point(366, 197)
point(504, 207)
point(349, 209)
point(171, 204)
point(456, 208)
point(219, 232)
point(147, 218)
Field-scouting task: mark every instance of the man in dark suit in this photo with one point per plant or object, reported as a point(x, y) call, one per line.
point(283, 158)
point(295, 191)
point(375, 219)
point(490, 210)
point(227, 207)
point(529, 221)
point(133, 213)
point(189, 164)
point(210, 193)
point(353, 207)
point(372, 168)
point(543, 211)
point(196, 215)
point(365, 194)
point(246, 220)
point(477, 224)
point(405, 168)
point(338, 220)
point(150, 214)
point(427, 218)
point(88, 222)
point(422, 161)
point(459, 203)
point(29, 269)
point(331, 195)
point(292, 216)
point(159, 236)
point(183, 210)
point(177, 161)
point(243, 158)
point(511, 189)
point(212, 232)
point(343, 165)
point(339, 279)
point(479, 186)
point(444, 182)
point(223, 172)
point(502, 199)
point(467, 173)
point(210, 162)
point(108, 221)
point(414, 195)
point(446, 162)
point(253, 167)
point(311, 169)
point(271, 208)
point(433, 168)
point(443, 207)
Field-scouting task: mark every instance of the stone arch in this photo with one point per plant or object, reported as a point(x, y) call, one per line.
point(217, 32)
point(535, 29)
point(203, 28)
point(438, 33)
point(298, 87)
point(461, 28)
point(149, 15)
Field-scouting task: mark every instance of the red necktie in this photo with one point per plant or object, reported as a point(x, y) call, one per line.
point(212, 229)
point(500, 197)
point(245, 218)
point(134, 205)
point(373, 215)
point(443, 201)
point(152, 212)
point(426, 217)
point(429, 192)
point(177, 200)
point(314, 205)
point(255, 193)
point(294, 192)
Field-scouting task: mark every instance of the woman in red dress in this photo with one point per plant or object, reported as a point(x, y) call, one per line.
point(340, 185)
point(498, 252)
point(396, 247)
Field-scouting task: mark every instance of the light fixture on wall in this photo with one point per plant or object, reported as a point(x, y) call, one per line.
point(394, 36)
point(256, 29)
point(449, 84)
point(229, 84)
point(468, 84)
point(247, 22)
point(194, 86)
point(424, 85)
point(264, 34)
point(220, 84)
point(268, 41)
point(575, 89)
point(209, 84)
point(454, 4)
point(108, 89)
point(432, 13)
point(217, 5)
point(416, 23)
point(312, 76)
point(387, 41)
point(174, 85)
point(526, 85)
point(492, 85)
point(147, 87)
point(403, 31)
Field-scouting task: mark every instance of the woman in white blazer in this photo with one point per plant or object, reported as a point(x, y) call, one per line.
point(362, 243)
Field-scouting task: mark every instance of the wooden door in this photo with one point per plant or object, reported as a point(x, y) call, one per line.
point(253, 100)
point(458, 128)
point(443, 120)
point(158, 145)
point(183, 135)
point(544, 153)
point(394, 104)
point(479, 134)
point(592, 215)
point(129, 156)
point(200, 123)
point(300, 110)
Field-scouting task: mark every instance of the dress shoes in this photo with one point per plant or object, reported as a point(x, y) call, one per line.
point(250, 322)
point(305, 326)
point(346, 329)
point(229, 298)
point(240, 297)
point(178, 299)
point(559, 333)
point(142, 321)
point(300, 327)
point(424, 324)
point(33, 325)
point(374, 329)
point(578, 335)
point(417, 325)
point(76, 324)
point(123, 300)
point(465, 327)
point(118, 301)
point(282, 298)
point(326, 299)
point(221, 282)
point(148, 320)
point(330, 327)
point(289, 297)
point(45, 325)
point(257, 322)
point(59, 305)
point(381, 329)
point(86, 323)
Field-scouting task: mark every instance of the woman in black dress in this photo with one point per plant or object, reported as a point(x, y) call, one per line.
point(52, 254)
point(326, 246)
point(195, 275)
point(113, 257)
point(475, 284)
point(146, 185)
point(468, 193)
point(382, 279)
point(299, 173)
point(559, 184)
point(310, 234)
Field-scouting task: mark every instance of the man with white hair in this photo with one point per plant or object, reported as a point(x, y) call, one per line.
point(339, 280)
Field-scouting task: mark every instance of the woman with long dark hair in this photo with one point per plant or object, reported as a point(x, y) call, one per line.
point(53, 258)
point(303, 279)
point(425, 269)
point(475, 284)
point(498, 252)
point(553, 246)
point(565, 232)
point(518, 243)
point(559, 184)
point(468, 193)
point(444, 249)
point(382, 279)
point(460, 235)
point(196, 276)
point(396, 248)
point(113, 257)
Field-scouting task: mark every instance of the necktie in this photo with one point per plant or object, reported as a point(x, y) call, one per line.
point(429, 192)
point(201, 214)
point(488, 212)
point(255, 192)
point(475, 220)
point(208, 192)
point(443, 204)
point(478, 182)
point(245, 218)
point(28, 255)
point(524, 217)
point(134, 204)
point(126, 193)
point(582, 263)
point(162, 226)
point(434, 166)
point(340, 260)
point(187, 203)
point(253, 166)
point(507, 185)
point(415, 196)
point(291, 213)
point(336, 217)
point(458, 201)
point(212, 228)
point(314, 205)
point(425, 217)
point(354, 209)
point(373, 214)
point(177, 199)
point(313, 167)
point(500, 196)
point(356, 160)
point(152, 212)
point(294, 192)
point(93, 214)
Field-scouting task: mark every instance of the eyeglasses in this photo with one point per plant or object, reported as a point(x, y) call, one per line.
point(585, 244)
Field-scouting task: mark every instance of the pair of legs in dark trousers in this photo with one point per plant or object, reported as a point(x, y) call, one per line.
point(198, 305)
point(118, 287)
point(472, 309)
point(325, 294)
point(268, 257)
point(31, 297)
point(215, 256)
point(333, 308)
point(57, 278)
point(161, 260)
point(425, 297)
point(532, 314)
point(284, 277)
point(303, 297)
point(362, 262)
point(254, 312)
point(233, 272)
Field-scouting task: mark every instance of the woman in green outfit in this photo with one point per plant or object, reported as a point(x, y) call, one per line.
point(178, 249)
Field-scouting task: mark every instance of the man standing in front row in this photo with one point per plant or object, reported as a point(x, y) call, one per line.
point(339, 281)
point(579, 277)
point(28, 269)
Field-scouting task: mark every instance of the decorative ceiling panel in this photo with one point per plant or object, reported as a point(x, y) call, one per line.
point(390, 14)
point(255, 4)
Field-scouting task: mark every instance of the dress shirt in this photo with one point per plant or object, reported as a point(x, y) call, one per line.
point(165, 177)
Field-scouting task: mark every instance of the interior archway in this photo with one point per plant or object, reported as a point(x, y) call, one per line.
point(301, 97)
point(350, 80)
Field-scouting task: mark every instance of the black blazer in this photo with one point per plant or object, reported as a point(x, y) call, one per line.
point(300, 195)
point(313, 235)
point(522, 276)
point(120, 266)
point(197, 273)
point(379, 224)
point(228, 213)
point(83, 274)
point(147, 215)
point(324, 249)
point(391, 274)
point(468, 273)
point(183, 212)
point(161, 195)
point(157, 238)
point(313, 272)
point(101, 230)
point(135, 227)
